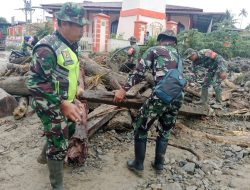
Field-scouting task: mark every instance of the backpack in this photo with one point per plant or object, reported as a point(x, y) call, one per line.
point(172, 84)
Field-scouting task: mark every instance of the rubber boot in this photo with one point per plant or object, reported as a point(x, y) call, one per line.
point(56, 174)
point(218, 104)
point(136, 165)
point(42, 159)
point(204, 96)
point(160, 151)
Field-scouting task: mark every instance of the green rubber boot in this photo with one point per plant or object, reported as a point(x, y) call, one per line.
point(56, 174)
point(204, 97)
point(218, 104)
point(42, 159)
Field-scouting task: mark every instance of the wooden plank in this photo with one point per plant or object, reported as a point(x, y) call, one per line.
point(97, 122)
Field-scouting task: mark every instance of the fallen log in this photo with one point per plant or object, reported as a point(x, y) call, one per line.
point(111, 78)
point(14, 85)
point(7, 103)
point(22, 108)
point(96, 121)
point(136, 102)
point(240, 140)
point(122, 121)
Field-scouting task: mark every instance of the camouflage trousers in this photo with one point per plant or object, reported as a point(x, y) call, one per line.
point(154, 109)
point(58, 131)
point(212, 76)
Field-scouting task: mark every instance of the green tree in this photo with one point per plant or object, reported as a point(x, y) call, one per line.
point(243, 13)
point(3, 20)
point(228, 22)
point(248, 27)
point(42, 30)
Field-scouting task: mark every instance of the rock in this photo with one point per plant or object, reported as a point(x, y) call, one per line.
point(167, 161)
point(217, 172)
point(189, 168)
point(156, 187)
point(172, 186)
point(240, 154)
point(182, 163)
point(7, 103)
point(247, 84)
point(228, 154)
point(200, 172)
point(191, 188)
point(172, 161)
point(236, 148)
point(121, 121)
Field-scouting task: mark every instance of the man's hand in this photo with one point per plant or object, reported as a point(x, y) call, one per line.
point(80, 90)
point(223, 75)
point(71, 111)
point(119, 95)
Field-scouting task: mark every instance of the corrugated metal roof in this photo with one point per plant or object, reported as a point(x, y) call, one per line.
point(179, 8)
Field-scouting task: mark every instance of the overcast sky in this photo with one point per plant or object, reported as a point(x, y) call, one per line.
point(7, 8)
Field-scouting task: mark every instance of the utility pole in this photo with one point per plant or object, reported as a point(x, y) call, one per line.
point(28, 10)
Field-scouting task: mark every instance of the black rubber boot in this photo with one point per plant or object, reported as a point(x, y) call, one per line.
point(42, 157)
point(136, 165)
point(160, 150)
point(56, 174)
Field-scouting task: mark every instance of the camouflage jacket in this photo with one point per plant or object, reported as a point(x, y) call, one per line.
point(158, 60)
point(42, 68)
point(207, 59)
point(133, 58)
point(24, 47)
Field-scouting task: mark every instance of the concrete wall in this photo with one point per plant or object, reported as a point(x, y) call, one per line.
point(185, 20)
point(126, 26)
point(157, 5)
point(153, 5)
point(152, 22)
point(115, 43)
point(130, 4)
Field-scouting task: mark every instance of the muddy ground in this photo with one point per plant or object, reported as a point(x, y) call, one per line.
point(223, 167)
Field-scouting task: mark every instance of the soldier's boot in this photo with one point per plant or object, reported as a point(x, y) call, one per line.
point(204, 97)
point(136, 165)
point(160, 151)
point(218, 104)
point(41, 159)
point(56, 174)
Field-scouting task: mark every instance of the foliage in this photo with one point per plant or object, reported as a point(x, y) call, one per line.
point(227, 43)
point(42, 30)
point(152, 42)
point(3, 20)
point(243, 13)
point(248, 27)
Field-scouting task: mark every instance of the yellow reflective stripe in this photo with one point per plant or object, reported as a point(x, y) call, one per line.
point(73, 72)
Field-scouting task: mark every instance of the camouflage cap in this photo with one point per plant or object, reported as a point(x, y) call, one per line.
point(167, 34)
point(72, 12)
point(132, 39)
point(189, 52)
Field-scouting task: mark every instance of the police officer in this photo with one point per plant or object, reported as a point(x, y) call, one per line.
point(133, 56)
point(54, 83)
point(158, 60)
point(216, 72)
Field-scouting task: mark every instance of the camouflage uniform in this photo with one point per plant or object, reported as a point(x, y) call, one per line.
point(53, 77)
point(24, 48)
point(158, 59)
point(133, 57)
point(214, 63)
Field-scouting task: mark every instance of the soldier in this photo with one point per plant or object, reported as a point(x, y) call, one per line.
point(54, 83)
point(158, 60)
point(216, 72)
point(133, 56)
point(25, 45)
